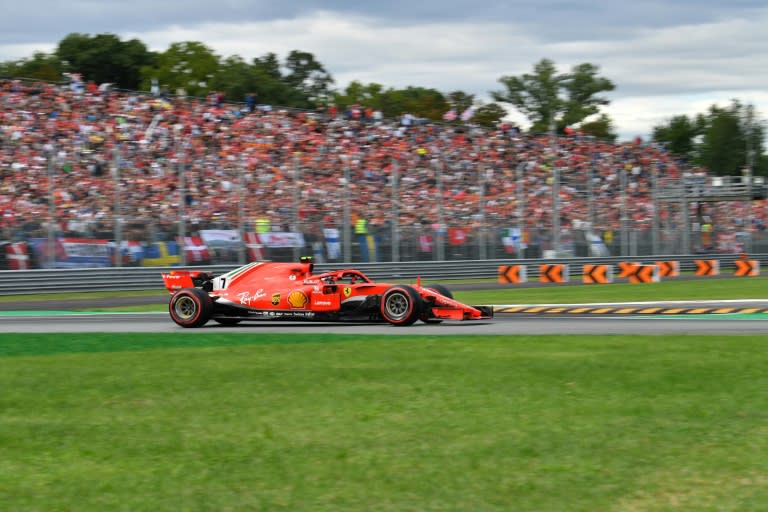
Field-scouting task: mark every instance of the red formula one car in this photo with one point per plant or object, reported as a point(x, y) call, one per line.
point(290, 291)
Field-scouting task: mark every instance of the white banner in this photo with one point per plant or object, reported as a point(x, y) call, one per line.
point(275, 239)
point(220, 236)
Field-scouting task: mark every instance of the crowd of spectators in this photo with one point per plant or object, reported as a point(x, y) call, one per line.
point(90, 138)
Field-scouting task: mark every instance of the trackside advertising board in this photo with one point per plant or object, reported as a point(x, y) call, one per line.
point(73, 252)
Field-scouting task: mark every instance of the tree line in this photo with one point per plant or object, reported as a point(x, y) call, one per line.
point(723, 139)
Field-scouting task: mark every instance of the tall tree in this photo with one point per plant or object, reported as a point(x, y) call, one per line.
point(535, 95)
point(41, 66)
point(679, 134)
point(460, 101)
point(582, 86)
point(418, 101)
point(489, 114)
point(270, 87)
point(308, 78)
point(720, 139)
point(188, 65)
point(602, 128)
point(105, 58)
point(546, 96)
point(723, 146)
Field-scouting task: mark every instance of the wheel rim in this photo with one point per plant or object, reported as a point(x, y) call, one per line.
point(185, 308)
point(397, 306)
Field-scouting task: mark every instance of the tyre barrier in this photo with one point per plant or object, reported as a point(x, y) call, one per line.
point(513, 274)
point(668, 268)
point(645, 274)
point(597, 274)
point(553, 273)
point(707, 267)
point(627, 268)
point(747, 268)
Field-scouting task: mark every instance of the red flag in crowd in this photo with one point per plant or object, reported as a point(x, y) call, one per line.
point(457, 236)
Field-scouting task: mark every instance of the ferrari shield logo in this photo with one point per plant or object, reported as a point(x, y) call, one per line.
point(275, 299)
point(347, 291)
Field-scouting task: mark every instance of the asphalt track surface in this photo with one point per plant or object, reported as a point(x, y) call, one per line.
point(502, 324)
point(732, 317)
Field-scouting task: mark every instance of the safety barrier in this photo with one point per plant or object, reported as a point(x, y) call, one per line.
point(707, 267)
point(627, 268)
point(645, 274)
point(668, 268)
point(597, 274)
point(553, 273)
point(148, 278)
point(747, 268)
point(513, 274)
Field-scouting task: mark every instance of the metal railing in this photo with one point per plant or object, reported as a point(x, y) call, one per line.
point(20, 282)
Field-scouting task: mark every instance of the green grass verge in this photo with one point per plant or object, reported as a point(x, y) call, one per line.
point(94, 422)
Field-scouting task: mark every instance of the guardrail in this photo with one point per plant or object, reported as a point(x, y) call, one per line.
point(18, 282)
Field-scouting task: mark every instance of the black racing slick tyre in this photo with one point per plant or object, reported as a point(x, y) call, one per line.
point(425, 314)
point(401, 305)
point(190, 307)
point(442, 290)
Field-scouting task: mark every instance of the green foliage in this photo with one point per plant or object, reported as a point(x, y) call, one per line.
point(189, 66)
point(602, 128)
point(582, 86)
point(546, 96)
point(489, 115)
point(460, 100)
point(720, 139)
point(41, 66)
point(105, 58)
point(679, 134)
point(308, 78)
point(535, 95)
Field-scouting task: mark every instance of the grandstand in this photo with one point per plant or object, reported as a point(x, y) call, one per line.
point(94, 177)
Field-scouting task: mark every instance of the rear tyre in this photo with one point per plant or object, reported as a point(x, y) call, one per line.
point(190, 307)
point(425, 315)
point(401, 305)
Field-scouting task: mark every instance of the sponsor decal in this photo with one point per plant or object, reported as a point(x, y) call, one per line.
point(347, 291)
point(246, 297)
point(275, 299)
point(297, 299)
point(282, 314)
point(323, 303)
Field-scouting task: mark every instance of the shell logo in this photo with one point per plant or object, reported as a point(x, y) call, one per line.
point(297, 299)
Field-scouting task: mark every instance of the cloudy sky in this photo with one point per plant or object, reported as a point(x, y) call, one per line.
point(665, 57)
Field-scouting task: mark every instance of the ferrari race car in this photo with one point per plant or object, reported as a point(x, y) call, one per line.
point(290, 291)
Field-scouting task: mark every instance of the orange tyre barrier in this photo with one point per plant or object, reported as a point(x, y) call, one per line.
point(707, 267)
point(747, 268)
point(513, 274)
point(645, 274)
point(668, 268)
point(597, 274)
point(553, 273)
point(627, 268)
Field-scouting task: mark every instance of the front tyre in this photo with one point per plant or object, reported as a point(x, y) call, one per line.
point(190, 307)
point(401, 305)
